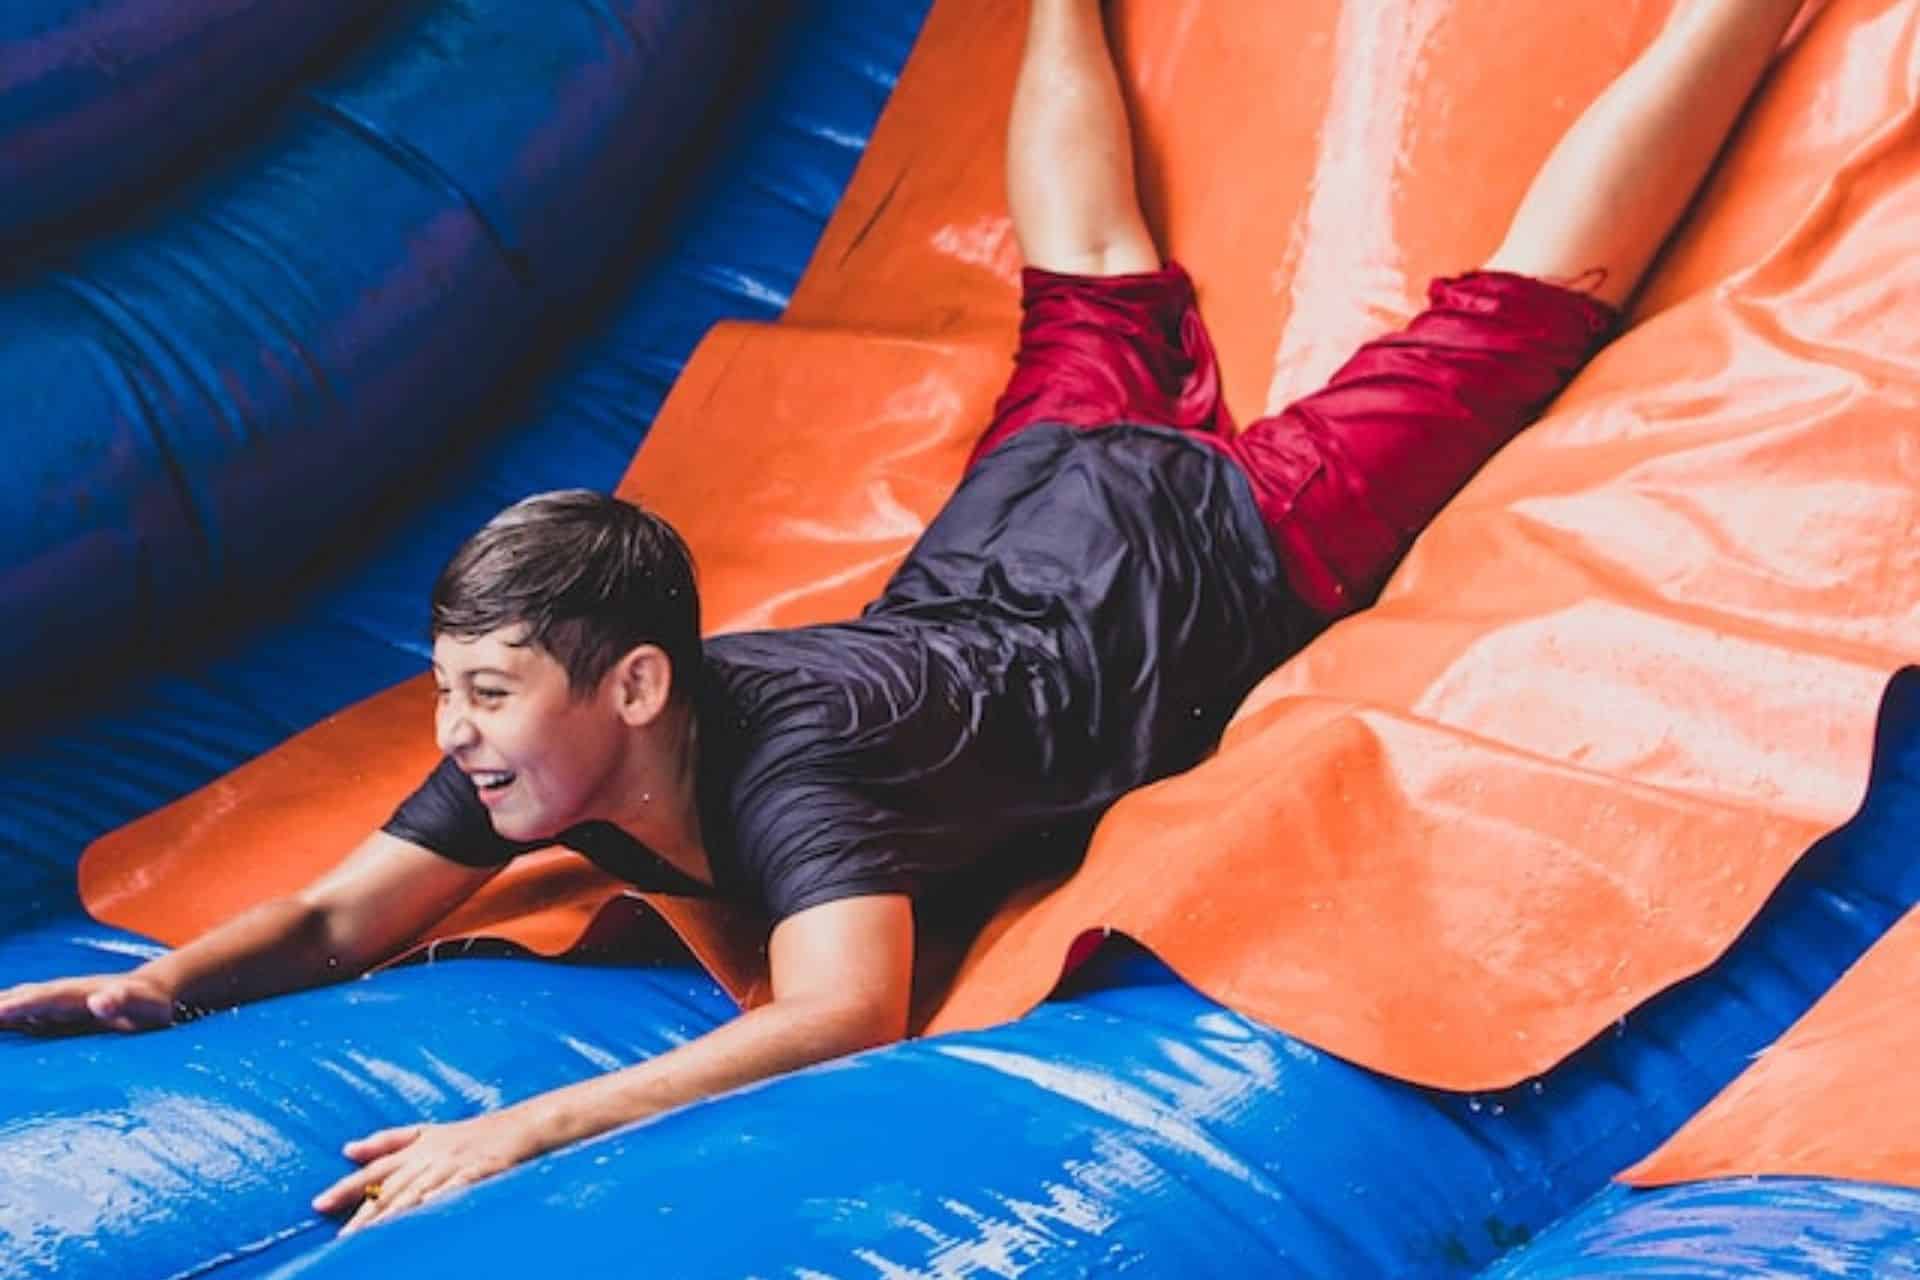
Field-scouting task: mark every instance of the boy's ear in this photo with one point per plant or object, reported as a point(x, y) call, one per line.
point(642, 684)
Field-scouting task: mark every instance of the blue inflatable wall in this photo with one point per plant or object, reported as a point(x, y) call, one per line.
point(205, 402)
point(99, 96)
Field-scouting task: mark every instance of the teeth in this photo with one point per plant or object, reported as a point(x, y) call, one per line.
point(492, 779)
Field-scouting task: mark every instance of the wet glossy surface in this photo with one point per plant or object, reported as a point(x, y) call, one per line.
point(163, 1154)
point(1733, 1231)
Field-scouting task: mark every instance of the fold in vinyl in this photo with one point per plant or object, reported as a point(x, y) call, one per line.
point(1836, 1096)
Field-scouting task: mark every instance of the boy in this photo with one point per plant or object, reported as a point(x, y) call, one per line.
point(1115, 572)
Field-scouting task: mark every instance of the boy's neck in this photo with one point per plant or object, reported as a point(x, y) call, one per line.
point(663, 806)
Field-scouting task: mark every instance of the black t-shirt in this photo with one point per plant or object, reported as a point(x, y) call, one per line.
point(1081, 618)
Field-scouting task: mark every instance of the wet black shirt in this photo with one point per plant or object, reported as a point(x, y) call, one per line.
point(1082, 617)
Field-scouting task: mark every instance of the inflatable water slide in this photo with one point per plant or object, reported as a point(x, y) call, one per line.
point(1552, 918)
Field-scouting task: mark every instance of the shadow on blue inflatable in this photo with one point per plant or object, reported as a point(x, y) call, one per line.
point(83, 83)
point(207, 400)
point(1732, 1231)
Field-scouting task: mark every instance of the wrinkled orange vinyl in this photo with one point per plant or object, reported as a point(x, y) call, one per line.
point(1622, 683)
point(1833, 1098)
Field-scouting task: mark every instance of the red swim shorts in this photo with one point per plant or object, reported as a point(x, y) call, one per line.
point(1347, 477)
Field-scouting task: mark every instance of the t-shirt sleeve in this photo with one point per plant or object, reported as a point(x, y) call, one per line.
point(805, 844)
point(446, 816)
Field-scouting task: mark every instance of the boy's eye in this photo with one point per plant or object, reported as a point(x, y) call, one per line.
point(486, 693)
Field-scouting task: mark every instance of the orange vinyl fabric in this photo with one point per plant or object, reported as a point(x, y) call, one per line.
point(1833, 1098)
point(1616, 690)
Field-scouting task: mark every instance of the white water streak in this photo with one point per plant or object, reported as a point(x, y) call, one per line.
point(1349, 285)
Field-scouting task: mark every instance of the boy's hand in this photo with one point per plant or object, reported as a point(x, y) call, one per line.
point(403, 1167)
point(107, 1002)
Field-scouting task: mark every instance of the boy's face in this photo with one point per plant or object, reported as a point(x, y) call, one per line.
point(541, 758)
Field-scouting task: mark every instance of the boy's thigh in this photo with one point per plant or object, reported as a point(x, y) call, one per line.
point(1347, 477)
point(1096, 350)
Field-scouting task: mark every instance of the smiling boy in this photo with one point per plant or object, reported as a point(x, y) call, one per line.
point(1117, 569)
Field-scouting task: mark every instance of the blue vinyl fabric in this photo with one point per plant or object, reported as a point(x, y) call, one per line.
point(204, 401)
point(1137, 1124)
point(1740, 1229)
point(83, 81)
point(173, 1154)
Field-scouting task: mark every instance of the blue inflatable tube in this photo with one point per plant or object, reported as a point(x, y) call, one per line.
point(97, 96)
point(1778, 1227)
point(203, 405)
point(221, 1132)
point(1140, 1125)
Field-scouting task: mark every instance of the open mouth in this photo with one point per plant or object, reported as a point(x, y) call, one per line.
point(490, 782)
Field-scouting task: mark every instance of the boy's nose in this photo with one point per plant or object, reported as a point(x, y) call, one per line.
point(453, 730)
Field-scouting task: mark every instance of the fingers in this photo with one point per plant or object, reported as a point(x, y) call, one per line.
point(377, 1154)
point(44, 1006)
point(390, 1195)
point(406, 1190)
point(403, 1168)
point(365, 1214)
point(130, 1006)
point(385, 1142)
point(352, 1189)
point(116, 1002)
point(387, 1199)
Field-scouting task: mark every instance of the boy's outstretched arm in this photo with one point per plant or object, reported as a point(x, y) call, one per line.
point(1615, 185)
point(1070, 150)
point(842, 981)
point(383, 896)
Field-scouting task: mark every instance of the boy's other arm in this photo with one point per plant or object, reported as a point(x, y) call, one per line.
point(380, 898)
point(842, 980)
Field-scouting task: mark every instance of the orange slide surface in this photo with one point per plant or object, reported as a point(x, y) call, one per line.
point(1621, 684)
point(1833, 1098)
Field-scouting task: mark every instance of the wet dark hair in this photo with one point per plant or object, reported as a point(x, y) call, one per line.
point(589, 575)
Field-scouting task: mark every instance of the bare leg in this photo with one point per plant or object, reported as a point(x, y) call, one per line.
point(1613, 188)
point(1070, 151)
